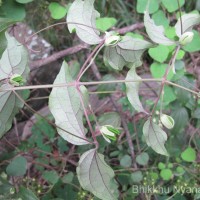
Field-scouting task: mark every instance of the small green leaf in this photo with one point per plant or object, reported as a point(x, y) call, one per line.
point(155, 137)
point(23, 1)
point(161, 165)
point(51, 176)
point(159, 53)
point(195, 44)
point(68, 178)
point(166, 174)
point(57, 11)
point(156, 33)
point(132, 90)
point(160, 18)
point(10, 9)
point(126, 161)
point(83, 15)
point(142, 159)
point(137, 176)
point(105, 23)
point(25, 193)
point(169, 95)
point(158, 70)
point(17, 167)
point(189, 155)
point(142, 5)
point(65, 105)
point(180, 170)
point(172, 6)
point(96, 176)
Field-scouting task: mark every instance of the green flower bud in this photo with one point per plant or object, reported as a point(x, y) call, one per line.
point(16, 80)
point(167, 121)
point(186, 38)
point(109, 133)
point(112, 40)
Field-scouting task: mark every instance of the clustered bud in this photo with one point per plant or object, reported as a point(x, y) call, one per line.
point(167, 121)
point(186, 38)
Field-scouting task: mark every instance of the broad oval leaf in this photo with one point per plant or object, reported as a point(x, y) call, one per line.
point(65, 105)
point(82, 17)
point(127, 52)
point(9, 107)
point(14, 59)
point(156, 33)
point(96, 176)
point(155, 137)
point(132, 89)
point(188, 21)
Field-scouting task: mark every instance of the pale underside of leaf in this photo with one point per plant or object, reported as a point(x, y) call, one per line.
point(155, 137)
point(14, 59)
point(96, 176)
point(65, 105)
point(188, 21)
point(83, 15)
point(127, 52)
point(156, 33)
point(132, 90)
point(9, 107)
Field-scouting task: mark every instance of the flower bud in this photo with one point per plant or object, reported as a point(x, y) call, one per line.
point(167, 121)
point(112, 40)
point(186, 38)
point(109, 133)
point(16, 80)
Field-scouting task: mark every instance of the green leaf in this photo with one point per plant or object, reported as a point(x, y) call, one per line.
point(172, 6)
point(9, 107)
point(142, 159)
point(188, 22)
point(3, 42)
point(23, 1)
point(169, 95)
point(194, 45)
point(142, 5)
point(5, 23)
point(158, 70)
point(12, 10)
point(68, 178)
point(196, 114)
point(84, 15)
point(180, 116)
point(126, 161)
point(105, 23)
point(25, 193)
point(127, 52)
point(189, 155)
point(110, 118)
point(156, 33)
point(160, 18)
point(14, 60)
point(166, 174)
point(17, 167)
point(96, 176)
point(57, 11)
point(159, 53)
point(161, 166)
point(137, 176)
point(51, 176)
point(132, 90)
point(65, 105)
point(155, 137)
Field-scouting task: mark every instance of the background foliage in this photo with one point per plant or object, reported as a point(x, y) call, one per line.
point(40, 164)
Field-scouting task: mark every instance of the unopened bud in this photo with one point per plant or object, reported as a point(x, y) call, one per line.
point(167, 121)
point(109, 133)
point(112, 40)
point(186, 38)
point(16, 80)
